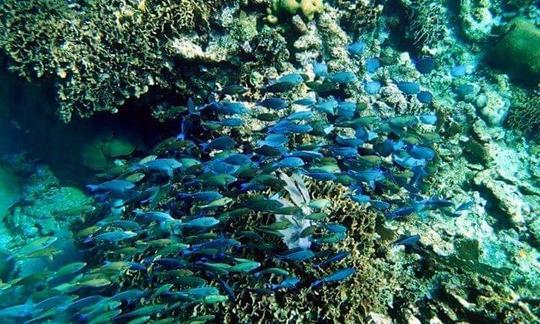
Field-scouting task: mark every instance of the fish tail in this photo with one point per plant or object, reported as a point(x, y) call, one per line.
point(92, 187)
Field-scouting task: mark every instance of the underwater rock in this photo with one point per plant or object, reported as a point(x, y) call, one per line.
point(100, 153)
point(507, 199)
point(495, 108)
point(476, 19)
point(518, 52)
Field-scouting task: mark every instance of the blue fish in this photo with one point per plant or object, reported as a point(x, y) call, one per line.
point(274, 103)
point(238, 159)
point(339, 275)
point(388, 147)
point(115, 187)
point(306, 154)
point(320, 69)
point(220, 143)
point(301, 115)
point(335, 258)
point(301, 255)
point(425, 97)
point(458, 71)
point(463, 207)
point(359, 198)
point(305, 102)
point(465, 89)
point(288, 127)
point(367, 175)
point(335, 228)
point(428, 119)
point(425, 64)
point(372, 87)
point(274, 140)
point(343, 77)
point(408, 241)
point(404, 160)
point(290, 162)
point(372, 65)
point(420, 152)
point(285, 83)
point(230, 108)
point(345, 152)
point(401, 212)
point(327, 106)
point(357, 48)
point(349, 141)
point(286, 283)
point(409, 87)
point(320, 175)
point(379, 204)
point(346, 109)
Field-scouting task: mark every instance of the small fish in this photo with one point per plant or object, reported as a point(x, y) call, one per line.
point(244, 265)
point(129, 296)
point(327, 106)
point(288, 127)
point(357, 48)
point(372, 87)
point(424, 97)
point(201, 222)
point(234, 89)
point(112, 237)
point(214, 299)
point(339, 275)
point(458, 71)
point(274, 271)
point(305, 102)
point(274, 140)
point(409, 87)
point(154, 216)
point(428, 119)
point(285, 83)
point(267, 117)
point(290, 162)
point(425, 64)
point(229, 108)
point(301, 115)
point(202, 196)
point(335, 258)
point(274, 103)
point(286, 283)
point(401, 212)
point(346, 109)
point(302, 255)
point(319, 204)
point(410, 241)
point(461, 208)
point(343, 77)
point(372, 64)
point(263, 204)
point(421, 152)
point(320, 69)
point(220, 143)
point(166, 166)
point(115, 187)
point(36, 245)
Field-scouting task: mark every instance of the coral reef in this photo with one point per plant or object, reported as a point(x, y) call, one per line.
point(524, 114)
point(308, 8)
point(101, 53)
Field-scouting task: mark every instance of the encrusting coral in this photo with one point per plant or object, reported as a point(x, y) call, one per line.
point(308, 8)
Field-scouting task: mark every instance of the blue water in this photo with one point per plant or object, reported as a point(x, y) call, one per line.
point(262, 161)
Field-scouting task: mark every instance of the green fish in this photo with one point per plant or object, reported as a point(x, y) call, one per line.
point(214, 299)
point(244, 265)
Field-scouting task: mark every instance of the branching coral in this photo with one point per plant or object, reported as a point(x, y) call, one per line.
point(525, 113)
point(100, 53)
point(427, 22)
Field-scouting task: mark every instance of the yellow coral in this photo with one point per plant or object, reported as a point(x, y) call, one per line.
point(309, 8)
